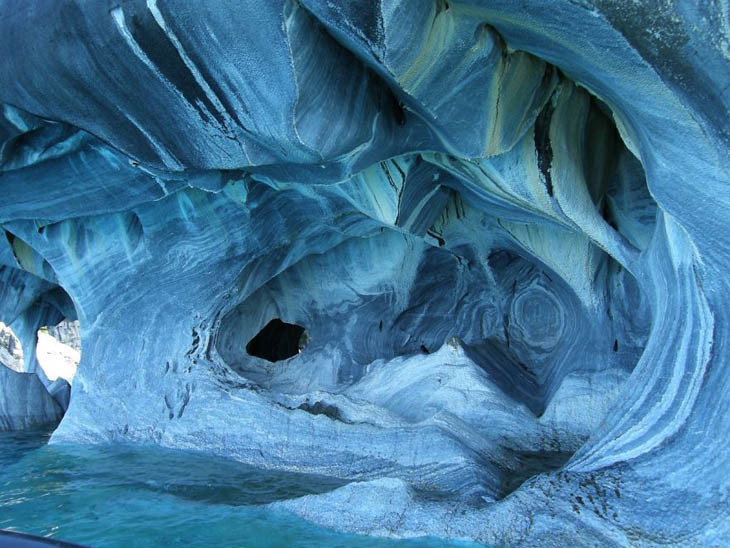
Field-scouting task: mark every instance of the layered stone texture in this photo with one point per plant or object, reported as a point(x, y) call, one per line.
point(503, 227)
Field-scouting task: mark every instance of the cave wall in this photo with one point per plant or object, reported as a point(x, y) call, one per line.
point(504, 228)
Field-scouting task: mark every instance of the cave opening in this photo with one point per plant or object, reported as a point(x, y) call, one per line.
point(42, 373)
point(549, 328)
point(278, 341)
point(58, 350)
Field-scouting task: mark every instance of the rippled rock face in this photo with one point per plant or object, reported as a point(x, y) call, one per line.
point(470, 255)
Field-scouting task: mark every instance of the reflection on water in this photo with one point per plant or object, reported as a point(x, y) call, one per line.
point(147, 496)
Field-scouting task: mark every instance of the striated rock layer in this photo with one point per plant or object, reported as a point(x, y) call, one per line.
point(493, 236)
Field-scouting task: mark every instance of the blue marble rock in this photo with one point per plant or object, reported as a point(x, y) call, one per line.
point(488, 238)
point(25, 403)
point(60, 389)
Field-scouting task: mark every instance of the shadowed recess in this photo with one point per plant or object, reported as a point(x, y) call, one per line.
point(278, 341)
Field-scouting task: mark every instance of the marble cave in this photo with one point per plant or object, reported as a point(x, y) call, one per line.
point(469, 257)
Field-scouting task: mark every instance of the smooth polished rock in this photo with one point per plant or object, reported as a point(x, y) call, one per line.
point(24, 402)
point(60, 389)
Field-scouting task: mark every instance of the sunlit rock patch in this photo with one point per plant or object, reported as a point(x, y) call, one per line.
point(59, 350)
point(497, 231)
point(11, 351)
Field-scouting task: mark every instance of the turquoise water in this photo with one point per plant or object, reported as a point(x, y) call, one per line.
point(147, 496)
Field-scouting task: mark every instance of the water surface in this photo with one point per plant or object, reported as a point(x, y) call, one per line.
point(119, 495)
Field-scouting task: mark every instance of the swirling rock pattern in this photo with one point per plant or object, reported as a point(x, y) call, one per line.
point(503, 225)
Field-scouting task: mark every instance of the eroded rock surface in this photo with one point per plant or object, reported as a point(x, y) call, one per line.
point(25, 403)
point(503, 227)
point(11, 352)
point(67, 333)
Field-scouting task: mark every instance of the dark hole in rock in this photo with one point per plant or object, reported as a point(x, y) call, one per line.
point(278, 341)
point(320, 408)
point(533, 464)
